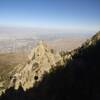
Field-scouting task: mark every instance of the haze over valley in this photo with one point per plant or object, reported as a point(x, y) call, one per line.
point(24, 39)
point(49, 49)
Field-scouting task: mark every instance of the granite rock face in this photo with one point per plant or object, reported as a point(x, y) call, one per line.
point(41, 60)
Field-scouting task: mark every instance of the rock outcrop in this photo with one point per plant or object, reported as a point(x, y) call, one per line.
point(41, 60)
point(82, 64)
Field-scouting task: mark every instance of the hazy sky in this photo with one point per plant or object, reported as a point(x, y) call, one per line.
point(76, 15)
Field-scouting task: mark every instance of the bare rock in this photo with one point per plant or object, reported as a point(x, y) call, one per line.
point(41, 60)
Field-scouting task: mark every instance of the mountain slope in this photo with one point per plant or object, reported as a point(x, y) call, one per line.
point(41, 60)
point(77, 79)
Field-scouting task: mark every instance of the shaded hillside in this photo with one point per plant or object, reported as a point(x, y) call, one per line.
point(77, 79)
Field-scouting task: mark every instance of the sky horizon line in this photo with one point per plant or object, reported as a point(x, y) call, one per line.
point(48, 30)
point(70, 15)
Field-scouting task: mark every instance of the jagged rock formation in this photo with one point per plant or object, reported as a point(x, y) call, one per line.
point(41, 60)
point(77, 79)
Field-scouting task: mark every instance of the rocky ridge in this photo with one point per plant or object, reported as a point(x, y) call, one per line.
point(41, 60)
